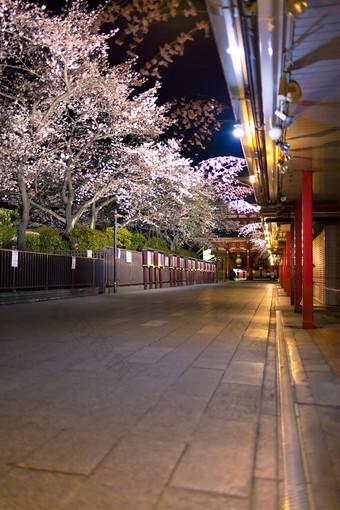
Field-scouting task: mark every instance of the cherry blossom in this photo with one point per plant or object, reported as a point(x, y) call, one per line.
point(62, 107)
point(221, 172)
point(135, 19)
point(254, 231)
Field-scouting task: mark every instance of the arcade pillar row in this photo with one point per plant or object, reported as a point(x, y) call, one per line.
point(296, 271)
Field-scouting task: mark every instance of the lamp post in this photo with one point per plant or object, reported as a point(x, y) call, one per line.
point(116, 216)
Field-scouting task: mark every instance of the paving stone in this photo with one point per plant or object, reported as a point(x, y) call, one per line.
point(325, 391)
point(73, 451)
point(256, 332)
point(15, 408)
point(266, 450)
point(310, 352)
point(213, 358)
point(154, 323)
point(21, 439)
point(251, 350)
point(182, 499)
point(155, 426)
point(131, 477)
point(265, 495)
point(236, 402)
point(244, 372)
point(174, 418)
point(149, 355)
point(269, 397)
point(330, 424)
point(235, 330)
point(197, 381)
point(316, 367)
point(24, 489)
point(218, 459)
point(319, 467)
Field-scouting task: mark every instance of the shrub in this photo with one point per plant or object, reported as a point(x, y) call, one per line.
point(33, 242)
point(8, 227)
point(86, 238)
point(138, 241)
point(51, 239)
point(124, 237)
point(187, 253)
point(157, 243)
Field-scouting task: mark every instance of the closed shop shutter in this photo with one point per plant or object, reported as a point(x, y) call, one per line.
point(319, 269)
point(332, 265)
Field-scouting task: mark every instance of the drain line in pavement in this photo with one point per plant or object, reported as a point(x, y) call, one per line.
point(295, 489)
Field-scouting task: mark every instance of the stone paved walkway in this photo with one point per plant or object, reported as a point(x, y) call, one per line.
point(156, 400)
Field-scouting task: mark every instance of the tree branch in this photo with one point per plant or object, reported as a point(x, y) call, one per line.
point(48, 211)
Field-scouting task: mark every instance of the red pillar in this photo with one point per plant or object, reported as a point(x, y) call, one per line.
point(248, 264)
point(297, 257)
point(288, 284)
point(227, 264)
point(307, 250)
point(284, 268)
point(292, 268)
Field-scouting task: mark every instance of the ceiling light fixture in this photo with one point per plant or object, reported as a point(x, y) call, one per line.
point(284, 146)
point(238, 130)
point(287, 119)
point(280, 114)
point(296, 7)
point(275, 132)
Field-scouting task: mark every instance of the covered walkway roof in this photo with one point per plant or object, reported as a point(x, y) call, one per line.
point(284, 56)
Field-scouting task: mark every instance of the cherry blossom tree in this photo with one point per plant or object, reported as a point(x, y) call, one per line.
point(168, 198)
point(195, 119)
point(137, 18)
point(79, 135)
point(254, 231)
point(221, 172)
point(62, 107)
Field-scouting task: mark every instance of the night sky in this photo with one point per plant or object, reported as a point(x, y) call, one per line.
point(197, 73)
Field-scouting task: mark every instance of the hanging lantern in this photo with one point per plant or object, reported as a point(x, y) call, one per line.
point(238, 260)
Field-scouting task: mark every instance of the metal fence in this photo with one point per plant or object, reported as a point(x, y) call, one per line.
point(34, 270)
point(150, 268)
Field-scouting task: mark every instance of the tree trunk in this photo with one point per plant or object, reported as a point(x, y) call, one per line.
point(22, 226)
point(25, 213)
point(94, 215)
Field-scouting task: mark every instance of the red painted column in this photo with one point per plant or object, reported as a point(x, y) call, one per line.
point(307, 250)
point(292, 268)
point(297, 257)
point(284, 268)
point(288, 291)
point(227, 265)
point(248, 263)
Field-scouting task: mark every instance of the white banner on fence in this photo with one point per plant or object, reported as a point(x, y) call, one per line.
point(89, 254)
point(74, 262)
point(15, 257)
point(128, 257)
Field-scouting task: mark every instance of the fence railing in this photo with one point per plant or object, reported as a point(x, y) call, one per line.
point(92, 254)
point(35, 270)
point(150, 268)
